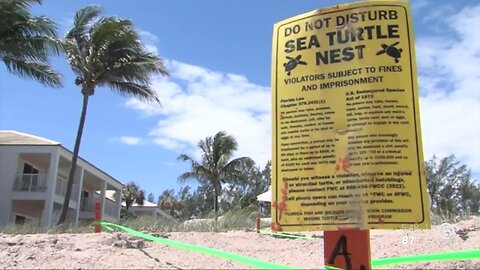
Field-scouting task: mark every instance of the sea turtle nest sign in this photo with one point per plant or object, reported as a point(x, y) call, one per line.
point(347, 147)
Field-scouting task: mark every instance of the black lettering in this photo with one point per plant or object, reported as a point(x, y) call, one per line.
point(301, 45)
point(348, 54)
point(360, 50)
point(289, 46)
point(369, 31)
point(322, 57)
point(382, 15)
point(379, 32)
point(359, 33)
point(392, 14)
point(339, 55)
point(330, 37)
point(353, 18)
point(341, 249)
point(393, 31)
point(313, 42)
point(335, 56)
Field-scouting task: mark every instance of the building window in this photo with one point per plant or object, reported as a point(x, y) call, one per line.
point(29, 169)
point(30, 178)
point(19, 220)
point(84, 201)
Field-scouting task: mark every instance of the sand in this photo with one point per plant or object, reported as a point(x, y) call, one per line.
point(121, 251)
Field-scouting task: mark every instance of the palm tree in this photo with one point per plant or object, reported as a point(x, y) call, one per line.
point(450, 186)
point(151, 198)
point(27, 41)
point(131, 193)
point(216, 167)
point(168, 202)
point(108, 52)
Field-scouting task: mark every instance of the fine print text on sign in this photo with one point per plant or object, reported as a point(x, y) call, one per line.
point(347, 147)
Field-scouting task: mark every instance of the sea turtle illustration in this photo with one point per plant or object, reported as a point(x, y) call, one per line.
point(391, 51)
point(292, 63)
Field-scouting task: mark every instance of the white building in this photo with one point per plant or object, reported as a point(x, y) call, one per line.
point(147, 209)
point(33, 181)
point(265, 201)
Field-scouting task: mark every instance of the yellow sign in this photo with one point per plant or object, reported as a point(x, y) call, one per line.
point(347, 147)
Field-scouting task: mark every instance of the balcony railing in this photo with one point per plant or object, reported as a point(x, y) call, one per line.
point(89, 205)
point(111, 208)
point(86, 205)
point(30, 182)
point(61, 189)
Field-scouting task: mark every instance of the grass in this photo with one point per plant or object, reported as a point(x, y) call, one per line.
point(34, 227)
point(447, 217)
point(237, 219)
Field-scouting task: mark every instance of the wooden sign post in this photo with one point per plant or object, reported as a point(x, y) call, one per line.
point(347, 249)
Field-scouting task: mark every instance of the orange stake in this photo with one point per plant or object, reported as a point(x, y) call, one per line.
point(98, 217)
point(347, 249)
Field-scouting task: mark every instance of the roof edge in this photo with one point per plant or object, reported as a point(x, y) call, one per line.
point(51, 142)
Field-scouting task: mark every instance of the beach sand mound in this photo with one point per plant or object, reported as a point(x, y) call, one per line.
point(122, 251)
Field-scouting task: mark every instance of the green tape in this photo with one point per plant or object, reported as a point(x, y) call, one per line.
point(205, 250)
point(332, 268)
point(288, 235)
point(444, 256)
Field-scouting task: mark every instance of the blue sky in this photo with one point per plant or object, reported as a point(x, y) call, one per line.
point(219, 56)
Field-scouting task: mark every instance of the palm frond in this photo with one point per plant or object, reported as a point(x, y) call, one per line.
point(74, 57)
point(109, 28)
point(105, 32)
point(197, 170)
point(143, 92)
point(223, 148)
point(206, 147)
point(123, 58)
point(23, 3)
point(39, 71)
point(32, 48)
point(109, 52)
point(233, 167)
point(27, 41)
point(40, 25)
point(15, 8)
point(186, 176)
point(138, 67)
point(81, 21)
point(184, 157)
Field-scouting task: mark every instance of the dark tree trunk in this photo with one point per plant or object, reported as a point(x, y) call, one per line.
point(76, 149)
point(215, 206)
point(128, 204)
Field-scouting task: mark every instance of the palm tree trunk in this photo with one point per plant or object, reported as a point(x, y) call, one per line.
point(215, 207)
point(76, 149)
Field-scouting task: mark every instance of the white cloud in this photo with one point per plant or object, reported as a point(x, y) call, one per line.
point(450, 87)
point(168, 143)
point(129, 140)
point(438, 14)
point(198, 102)
point(149, 41)
point(417, 5)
